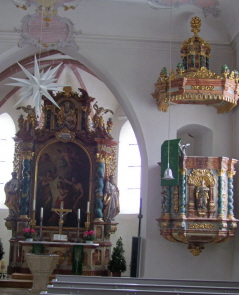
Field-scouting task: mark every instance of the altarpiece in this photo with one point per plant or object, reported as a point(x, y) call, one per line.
point(67, 157)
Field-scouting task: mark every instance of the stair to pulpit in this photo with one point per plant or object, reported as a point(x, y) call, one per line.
point(64, 285)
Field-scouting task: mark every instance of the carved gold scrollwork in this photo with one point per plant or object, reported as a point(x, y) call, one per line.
point(181, 238)
point(164, 224)
point(203, 73)
point(65, 135)
point(201, 87)
point(231, 173)
point(109, 230)
point(195, 249)
point(184, 171)
point(197, 177)
point(27, 155)
point(221, 172)
point(169, 238)
point(220, 240)
point(100, 158)
point(201, 226)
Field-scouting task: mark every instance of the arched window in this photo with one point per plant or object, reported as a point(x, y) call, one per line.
point(7, 132)
point(129, 169)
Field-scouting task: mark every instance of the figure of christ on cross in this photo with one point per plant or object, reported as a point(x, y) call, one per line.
point(61, 212)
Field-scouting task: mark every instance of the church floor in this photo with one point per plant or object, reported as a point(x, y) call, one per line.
point(13, 291)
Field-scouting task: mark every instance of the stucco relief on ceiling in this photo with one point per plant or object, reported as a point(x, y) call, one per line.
point(45, 28)
point(208, 7)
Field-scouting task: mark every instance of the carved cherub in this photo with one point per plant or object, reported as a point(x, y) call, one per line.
point(31, 116)
point(97, 118)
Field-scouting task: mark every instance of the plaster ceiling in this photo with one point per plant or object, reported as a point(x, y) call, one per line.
point(123, 20)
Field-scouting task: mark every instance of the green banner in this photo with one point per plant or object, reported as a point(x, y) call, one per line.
point(171, 146)
point(77, 260)
point(37, 248)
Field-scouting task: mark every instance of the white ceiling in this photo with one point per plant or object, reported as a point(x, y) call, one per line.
point(127, 20)
point(136, 19)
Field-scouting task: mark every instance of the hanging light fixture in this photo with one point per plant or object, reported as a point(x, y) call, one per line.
point(168, 174)
point(37, 85)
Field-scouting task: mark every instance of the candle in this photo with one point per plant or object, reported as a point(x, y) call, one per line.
point(62, 205)
point(88, 207)
point(78, 213)
point(34, 204)
point(2, 266)
point(41, 212)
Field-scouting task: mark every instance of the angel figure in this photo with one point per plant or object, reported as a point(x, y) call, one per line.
point(97, 118)
point(31, 121)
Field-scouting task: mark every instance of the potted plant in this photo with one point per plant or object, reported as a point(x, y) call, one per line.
point(1, 250)
point(117, 263)
point(89, 236)
point(29, 234)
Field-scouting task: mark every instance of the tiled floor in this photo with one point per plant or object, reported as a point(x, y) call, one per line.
point(13, 291)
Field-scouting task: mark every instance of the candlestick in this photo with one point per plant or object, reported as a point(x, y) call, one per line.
point(40, 233)
point(78, 213)
point(41, 212)
point(2, 266)
point(34, 204)
point(88, 207)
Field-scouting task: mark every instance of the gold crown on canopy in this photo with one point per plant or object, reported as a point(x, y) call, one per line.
point(195, 49)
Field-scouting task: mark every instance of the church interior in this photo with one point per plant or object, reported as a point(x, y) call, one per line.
point(77, 77)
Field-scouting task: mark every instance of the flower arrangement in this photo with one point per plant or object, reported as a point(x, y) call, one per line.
point(28, 233)
point(89, 235)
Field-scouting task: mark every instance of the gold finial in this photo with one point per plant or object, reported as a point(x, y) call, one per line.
point(195, 25)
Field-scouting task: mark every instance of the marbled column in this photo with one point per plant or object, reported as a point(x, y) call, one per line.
point(220, 198)
point(168, 201)
point(99, 189)
point(25, 185)
point(230, 195)
point(182, 194)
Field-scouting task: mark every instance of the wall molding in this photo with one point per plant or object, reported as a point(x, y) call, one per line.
point(120, 42)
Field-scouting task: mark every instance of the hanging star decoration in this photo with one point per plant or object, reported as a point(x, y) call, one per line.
point(37, 85)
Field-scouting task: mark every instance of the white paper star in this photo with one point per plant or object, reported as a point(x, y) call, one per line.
point(37, 85)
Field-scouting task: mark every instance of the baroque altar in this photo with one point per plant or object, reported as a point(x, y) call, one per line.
point(65, 158)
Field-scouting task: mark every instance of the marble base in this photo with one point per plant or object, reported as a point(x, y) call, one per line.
point(41, 267)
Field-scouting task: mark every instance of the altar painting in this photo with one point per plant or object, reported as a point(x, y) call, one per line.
point(63, 175)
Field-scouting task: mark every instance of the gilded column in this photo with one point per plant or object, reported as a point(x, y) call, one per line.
point(230, 195)
point(99, 189)
point(182, 195)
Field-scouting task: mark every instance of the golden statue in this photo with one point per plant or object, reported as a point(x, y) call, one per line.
point(66, 117)
point(202, 196)
point(111, 199)
point(97, 118)
point(11, 189)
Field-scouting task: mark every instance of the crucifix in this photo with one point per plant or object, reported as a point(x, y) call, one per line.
point(61, 212)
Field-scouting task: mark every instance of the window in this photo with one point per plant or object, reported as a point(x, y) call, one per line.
point(129, 169)
point(7, 132)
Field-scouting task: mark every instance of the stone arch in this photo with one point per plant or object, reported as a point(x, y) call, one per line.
point(200, 138)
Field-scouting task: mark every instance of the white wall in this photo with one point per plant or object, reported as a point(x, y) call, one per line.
point(129, 222)
point(5, 234)
point(130, 71)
